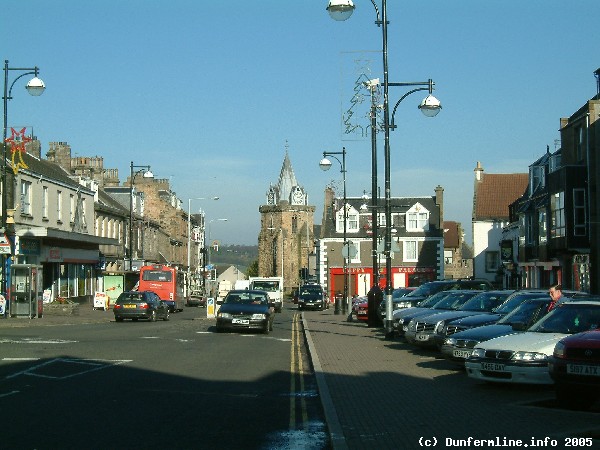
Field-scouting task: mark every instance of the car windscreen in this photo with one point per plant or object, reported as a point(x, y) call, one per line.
point(269, 286)
point(454, 300)
point(484, 302)
point(524, 312)
point(515, 300)
point(569, 318)
point(427, 289)
point(131, 298)
point(246, 298)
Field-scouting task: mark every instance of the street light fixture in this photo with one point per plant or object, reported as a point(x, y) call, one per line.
point(35, 87)
point(189, 232)
point(325, 164)
point(341, 10)
point(132, 175)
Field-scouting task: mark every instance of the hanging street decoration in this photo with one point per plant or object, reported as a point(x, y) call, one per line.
point(17, 142)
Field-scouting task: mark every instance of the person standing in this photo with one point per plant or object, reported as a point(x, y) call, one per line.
point(555, 292)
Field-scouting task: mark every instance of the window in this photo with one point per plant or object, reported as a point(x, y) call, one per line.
point(492, 261)
point(447, 256)
point(59, 206)
point(536, 178)
point(72, 208)
point(579, 144)
point(579, 213)
point(417, 218)
point(45, 202)
point(529, 228)
point(352, 221)
point(542, 229)
point(410, 251)
point(26, 197)
point(557, 211)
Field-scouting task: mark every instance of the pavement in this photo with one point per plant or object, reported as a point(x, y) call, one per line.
point(386, 394)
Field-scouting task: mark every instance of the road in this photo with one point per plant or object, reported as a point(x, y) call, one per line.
point(175, 384)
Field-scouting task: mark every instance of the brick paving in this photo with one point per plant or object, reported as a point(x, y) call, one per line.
point(387, 394)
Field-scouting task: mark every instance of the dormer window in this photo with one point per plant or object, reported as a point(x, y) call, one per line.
point(352, 220)
point(417, 218)
point(536, 178)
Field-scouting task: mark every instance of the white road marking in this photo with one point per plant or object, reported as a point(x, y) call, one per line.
point(95, 364)
point(35, 341)
point(20, 359)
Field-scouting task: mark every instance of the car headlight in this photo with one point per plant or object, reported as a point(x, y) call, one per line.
point(559, 350)
point(450, 341)
point(478, 353)
point(412, 326)
point(440, 327)
point(224, 315)
point(401, 321)
point(529, 356)
point(259, 316)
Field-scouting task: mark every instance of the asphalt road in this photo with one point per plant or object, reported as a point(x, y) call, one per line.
point(175, 384)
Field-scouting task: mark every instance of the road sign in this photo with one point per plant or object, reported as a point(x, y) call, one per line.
point(349, 250)
point(4, 245)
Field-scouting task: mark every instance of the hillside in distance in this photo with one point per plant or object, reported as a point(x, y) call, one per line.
point(240, 256)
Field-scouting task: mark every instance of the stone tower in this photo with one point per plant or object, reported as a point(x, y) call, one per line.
point(286, 233)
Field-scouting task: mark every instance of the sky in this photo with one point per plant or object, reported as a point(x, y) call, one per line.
point(211, 94)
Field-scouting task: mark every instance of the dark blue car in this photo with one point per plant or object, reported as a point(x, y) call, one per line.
point(246, 310)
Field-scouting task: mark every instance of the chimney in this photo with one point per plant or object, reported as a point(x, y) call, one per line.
point(597, 75)
point(439, 200)
point(478, 172)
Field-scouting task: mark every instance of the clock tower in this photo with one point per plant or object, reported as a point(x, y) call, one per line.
point(286, 233)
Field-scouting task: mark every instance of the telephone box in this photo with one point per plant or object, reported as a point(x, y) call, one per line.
point(26, 293)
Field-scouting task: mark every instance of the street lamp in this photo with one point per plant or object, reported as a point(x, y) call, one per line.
point(35, 87)
point(189, 232)
point(132, 175)
point(341, 10)
point(325, 164)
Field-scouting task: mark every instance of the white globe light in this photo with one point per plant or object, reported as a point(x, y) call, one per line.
point(340, 10)
point(35, 87)
point(325, 164)
point(430, 106)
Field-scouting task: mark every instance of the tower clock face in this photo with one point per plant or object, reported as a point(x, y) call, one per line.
point(297, 197)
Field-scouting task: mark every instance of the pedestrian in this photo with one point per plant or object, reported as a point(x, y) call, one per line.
point(555, 292)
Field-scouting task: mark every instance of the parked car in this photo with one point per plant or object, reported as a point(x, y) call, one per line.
point(523, 357)
point(246, 310)
point(397, 298)
point(403, 316)
point(431, 330)
point(196, 298)
point(512, 301)
point(421, 328)
point(433, 287)
point(136, 305)
point(575, 369)
point(311, 296)
point(360, 308)
point(459, 346)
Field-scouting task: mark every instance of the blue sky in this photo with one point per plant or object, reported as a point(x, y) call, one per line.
point(209, 93)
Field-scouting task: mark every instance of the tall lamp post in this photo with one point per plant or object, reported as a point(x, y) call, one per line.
point(341, 10)
point(35, 87)
point(132, 175)
point(189, 233)
point(325, 164)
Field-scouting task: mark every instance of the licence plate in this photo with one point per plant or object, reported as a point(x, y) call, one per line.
point(494, 367)
point(422, 337)
point(580, 369)
point(362, 313)
point(129, 306)
point(241, 321)
point(461, 353)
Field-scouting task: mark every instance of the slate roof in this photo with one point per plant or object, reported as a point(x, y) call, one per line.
point(495, 192)
point(400, 205)
point(451, 238)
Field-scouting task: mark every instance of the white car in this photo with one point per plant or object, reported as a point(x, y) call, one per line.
point(523, 358)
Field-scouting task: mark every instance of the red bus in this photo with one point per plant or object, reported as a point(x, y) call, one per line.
point(166, 282)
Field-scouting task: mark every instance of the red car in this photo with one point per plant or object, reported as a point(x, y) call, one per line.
point(360, 308)
point(575, 369)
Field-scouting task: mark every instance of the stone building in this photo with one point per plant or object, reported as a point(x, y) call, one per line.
point(286, 238)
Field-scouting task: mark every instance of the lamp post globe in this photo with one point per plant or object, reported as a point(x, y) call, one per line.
point(340, 10)
point(430, 106)
point(35, 87)
point(325, 164)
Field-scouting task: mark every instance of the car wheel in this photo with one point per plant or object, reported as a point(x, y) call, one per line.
point(119, 319)
point(166, 316)
point(267, 328)
point(152, 317)
point(271, 325)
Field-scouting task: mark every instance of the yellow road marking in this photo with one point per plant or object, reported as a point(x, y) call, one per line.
point(297, 370)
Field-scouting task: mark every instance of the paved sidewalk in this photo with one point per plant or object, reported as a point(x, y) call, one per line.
point(386, 394)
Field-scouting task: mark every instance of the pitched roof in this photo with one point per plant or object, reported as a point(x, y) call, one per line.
point(495, 192)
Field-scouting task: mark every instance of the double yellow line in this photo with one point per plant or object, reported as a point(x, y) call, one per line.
point(297, 377)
